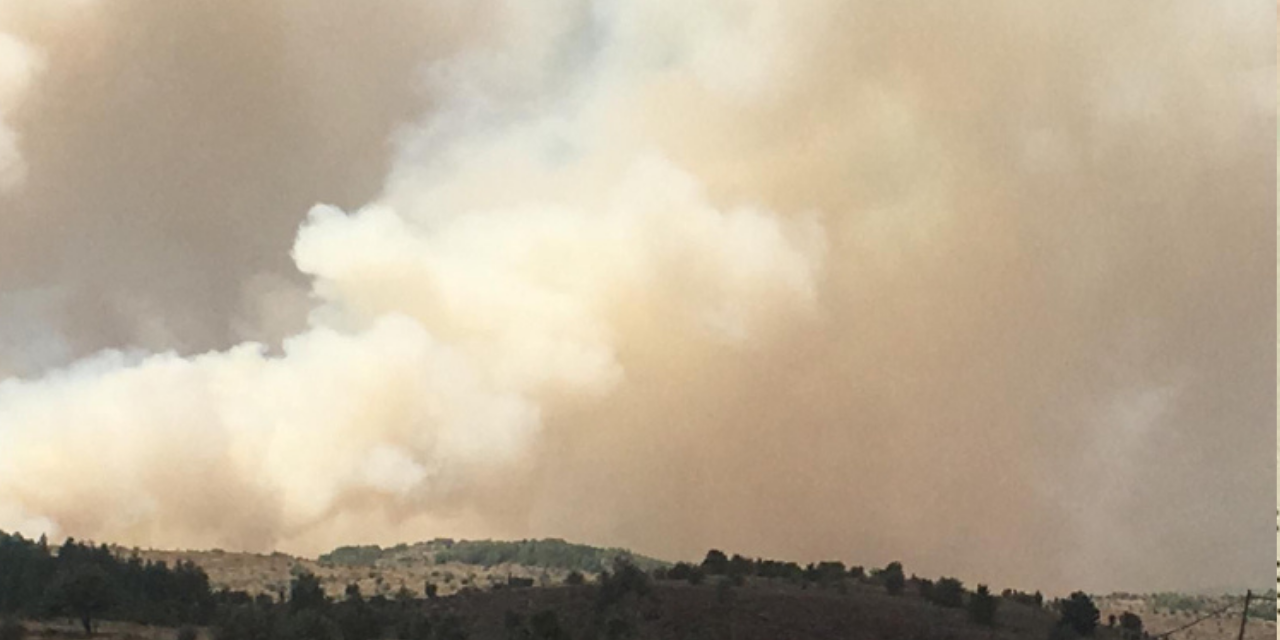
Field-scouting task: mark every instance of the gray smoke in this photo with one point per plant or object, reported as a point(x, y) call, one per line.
point(988, 290)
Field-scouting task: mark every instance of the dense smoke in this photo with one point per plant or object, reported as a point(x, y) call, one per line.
point(985, 289)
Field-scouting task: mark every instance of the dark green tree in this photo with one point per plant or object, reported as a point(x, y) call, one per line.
point(716, 563)
point(1079, 614)
point(307, 594)
point(948, 592)
point(892, 577)
point(83, 590)
point(1131, 625)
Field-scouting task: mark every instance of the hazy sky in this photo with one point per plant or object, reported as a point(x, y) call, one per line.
point(987, 289)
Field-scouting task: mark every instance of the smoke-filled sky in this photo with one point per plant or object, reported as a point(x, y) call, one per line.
point(987, 288)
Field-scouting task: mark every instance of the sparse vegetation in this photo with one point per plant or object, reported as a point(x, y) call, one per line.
point(553, 553)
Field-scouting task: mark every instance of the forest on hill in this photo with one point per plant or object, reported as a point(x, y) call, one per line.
point(723, 596)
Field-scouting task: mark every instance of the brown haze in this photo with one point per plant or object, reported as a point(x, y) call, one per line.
point(987, 288)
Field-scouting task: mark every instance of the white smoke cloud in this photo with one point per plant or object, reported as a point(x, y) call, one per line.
point(840, 279)
point(19, 64)
point(430, 351)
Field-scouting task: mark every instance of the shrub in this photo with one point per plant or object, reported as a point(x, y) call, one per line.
point(982, 606)
point(575, 578)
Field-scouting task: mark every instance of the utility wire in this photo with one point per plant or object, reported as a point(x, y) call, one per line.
point(1196, 621)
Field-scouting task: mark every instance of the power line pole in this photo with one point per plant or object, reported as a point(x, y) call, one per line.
point(1244, 615)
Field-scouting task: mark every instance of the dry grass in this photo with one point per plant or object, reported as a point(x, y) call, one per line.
point(1218, 628)
point(258, 573)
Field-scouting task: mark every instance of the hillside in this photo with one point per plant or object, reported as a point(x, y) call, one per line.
point(1166, 611)
point(509, 590)
point(449, 565)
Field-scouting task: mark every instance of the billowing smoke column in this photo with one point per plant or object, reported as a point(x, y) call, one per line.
point(984, 289)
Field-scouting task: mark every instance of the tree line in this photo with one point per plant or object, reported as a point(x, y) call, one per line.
point(88, 583)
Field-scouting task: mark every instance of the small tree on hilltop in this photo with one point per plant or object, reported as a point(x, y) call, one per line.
point(982, 606)
point(893, 578)
point(1079, 613)
point(716, 563)
point(949, 592)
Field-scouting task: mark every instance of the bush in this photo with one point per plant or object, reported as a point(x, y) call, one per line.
point(575, 578)
point(1079, 614)
point(982, 606)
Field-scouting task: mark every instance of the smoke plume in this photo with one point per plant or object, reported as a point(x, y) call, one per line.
point(985, 289)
